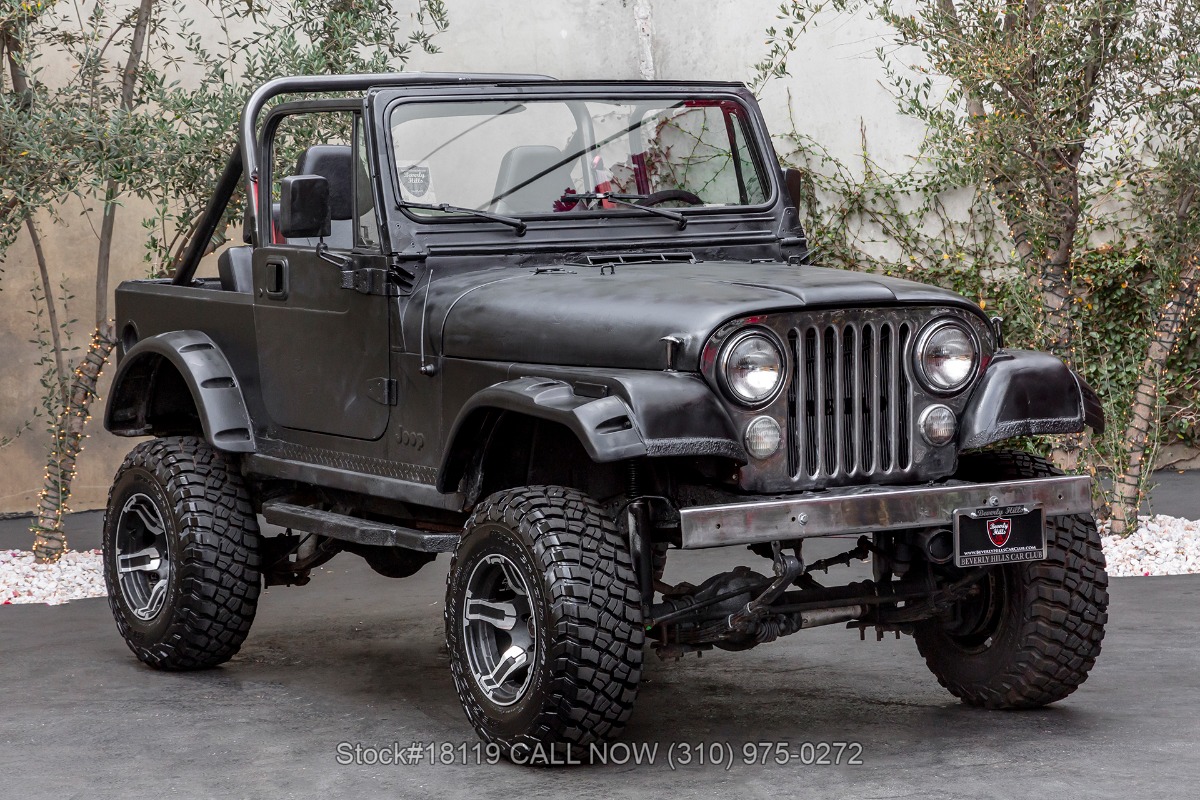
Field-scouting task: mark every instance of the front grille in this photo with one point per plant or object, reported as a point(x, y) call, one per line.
point(849, 400)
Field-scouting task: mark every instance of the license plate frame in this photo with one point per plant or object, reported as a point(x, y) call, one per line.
point(1021, 529)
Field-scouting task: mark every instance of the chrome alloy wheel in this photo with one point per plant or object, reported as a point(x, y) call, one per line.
point(498, 630)
point(142, 556)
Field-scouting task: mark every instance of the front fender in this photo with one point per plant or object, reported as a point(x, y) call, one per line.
point(206, 373)
point(1023, 393)
point(680, 415)
point(614, 415)
point(603, 425)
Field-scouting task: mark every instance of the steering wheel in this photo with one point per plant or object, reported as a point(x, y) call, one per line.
point(669, 195)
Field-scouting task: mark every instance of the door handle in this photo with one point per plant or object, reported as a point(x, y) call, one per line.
point(277, 279)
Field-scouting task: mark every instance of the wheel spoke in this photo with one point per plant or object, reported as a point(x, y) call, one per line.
point(148, 560)
point(499, 614)
point(149, 517)
point(512, 577)
point(154, 602)
point(514, 658)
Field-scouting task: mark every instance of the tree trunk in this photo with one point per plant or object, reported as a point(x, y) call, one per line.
point(60, 372)
point(137, 46)
point(50, 542)
point(1127, 486)
point(12, 54)
point(104, 252)
point(11, 212)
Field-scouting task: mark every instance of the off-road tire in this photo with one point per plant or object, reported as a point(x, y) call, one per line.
point(1048, 630)
point(586, 607)
point(213, 544)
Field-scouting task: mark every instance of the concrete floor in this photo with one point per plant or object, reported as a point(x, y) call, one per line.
point(357, 658)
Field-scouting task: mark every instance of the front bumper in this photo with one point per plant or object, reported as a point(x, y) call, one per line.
point(865, 509)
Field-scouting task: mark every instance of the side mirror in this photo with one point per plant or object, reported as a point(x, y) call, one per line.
point(304, 206)
point(793, 179)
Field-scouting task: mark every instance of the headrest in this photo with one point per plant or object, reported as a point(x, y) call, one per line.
point(334, 162)
point(518, 168)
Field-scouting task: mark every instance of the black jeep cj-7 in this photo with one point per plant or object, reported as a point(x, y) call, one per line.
point(559, 329)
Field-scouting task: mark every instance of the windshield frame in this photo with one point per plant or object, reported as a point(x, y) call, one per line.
point(755, 136)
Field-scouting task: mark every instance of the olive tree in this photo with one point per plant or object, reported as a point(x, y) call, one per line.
point(1072, 125)
point(1163, 84)
point(126, 124)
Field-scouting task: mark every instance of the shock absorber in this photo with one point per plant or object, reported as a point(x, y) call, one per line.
point(638, 522)
point(633, 485)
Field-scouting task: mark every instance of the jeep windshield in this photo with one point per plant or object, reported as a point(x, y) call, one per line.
point(541, 157)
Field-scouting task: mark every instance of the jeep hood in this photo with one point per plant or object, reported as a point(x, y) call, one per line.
point(616, 316)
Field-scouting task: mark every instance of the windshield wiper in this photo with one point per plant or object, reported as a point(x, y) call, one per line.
point(626, 200)
point(515, 223)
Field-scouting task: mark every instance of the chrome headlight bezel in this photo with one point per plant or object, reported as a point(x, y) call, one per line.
point(918, 356)
point(722, 370)
point(923, 424)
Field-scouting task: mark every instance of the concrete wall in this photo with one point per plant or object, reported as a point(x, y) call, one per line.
point(835, 81)
point(70, 247)
point(835, 86)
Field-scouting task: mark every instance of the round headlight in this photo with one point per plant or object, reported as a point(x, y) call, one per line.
point(751, 368)
point(946, 356)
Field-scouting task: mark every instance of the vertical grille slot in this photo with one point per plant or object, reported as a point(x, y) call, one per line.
point(845, 409)
point(794, 403)
point(848, 400)
point(831, 382)
point(809, 401)
point(866, 395)
point(886, 409)
point(902, 398)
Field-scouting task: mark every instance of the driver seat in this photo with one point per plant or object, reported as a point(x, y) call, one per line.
point(531, 180)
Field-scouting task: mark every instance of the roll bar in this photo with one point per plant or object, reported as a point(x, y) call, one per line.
point(243, 162)
point(339, 83)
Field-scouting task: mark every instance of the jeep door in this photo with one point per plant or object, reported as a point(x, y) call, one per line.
point(323, 341)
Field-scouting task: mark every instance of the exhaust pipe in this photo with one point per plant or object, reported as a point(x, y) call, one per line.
point(937, 544)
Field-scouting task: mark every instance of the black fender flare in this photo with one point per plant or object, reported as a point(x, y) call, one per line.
point(206, 372)
point(1023, 393)
point(615, 417)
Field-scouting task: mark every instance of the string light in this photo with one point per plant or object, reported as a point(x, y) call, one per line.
point(53, 500)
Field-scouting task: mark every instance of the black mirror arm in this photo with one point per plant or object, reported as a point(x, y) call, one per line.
point(337, 259)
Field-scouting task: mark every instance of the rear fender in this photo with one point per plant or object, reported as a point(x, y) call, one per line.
point(132, 409)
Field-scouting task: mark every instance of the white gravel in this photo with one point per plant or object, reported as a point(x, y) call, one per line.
point(1161, 546)
point(78, 574)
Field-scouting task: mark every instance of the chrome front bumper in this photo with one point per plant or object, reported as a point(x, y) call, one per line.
point(873, 508)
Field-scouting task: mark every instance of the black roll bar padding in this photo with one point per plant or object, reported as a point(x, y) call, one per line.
point(226, 184)
point(336, 83)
